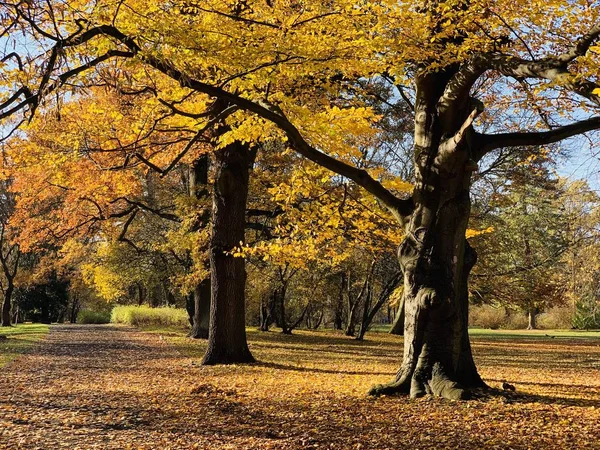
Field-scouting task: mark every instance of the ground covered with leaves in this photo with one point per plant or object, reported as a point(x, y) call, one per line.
point(106, 387)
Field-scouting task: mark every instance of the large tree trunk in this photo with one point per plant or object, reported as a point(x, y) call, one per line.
point(435, 256)
point(7, 305)
point(227, 334)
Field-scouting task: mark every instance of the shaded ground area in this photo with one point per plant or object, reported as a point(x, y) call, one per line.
point(105, 387)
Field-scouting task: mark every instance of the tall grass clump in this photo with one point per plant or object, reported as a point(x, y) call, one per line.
point(91, 317)
point(557, 318)
point(487, 316)
point(144, 316)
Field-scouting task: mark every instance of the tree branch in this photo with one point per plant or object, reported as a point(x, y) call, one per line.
point(485, 143)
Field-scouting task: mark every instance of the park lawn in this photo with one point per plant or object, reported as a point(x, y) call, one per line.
point(315, 382)
point(20, 339)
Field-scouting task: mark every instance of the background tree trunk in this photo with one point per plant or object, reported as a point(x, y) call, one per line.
point(201, 310)
point(532, 319)
point(198, 182)
point(7, 304)
point(369, 315)
point(398, 325)
point(227, 333)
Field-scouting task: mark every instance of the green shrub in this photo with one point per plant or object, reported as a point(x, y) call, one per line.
point(557, 318)
point(88, 316)
point(587, 314)
point(143, 316)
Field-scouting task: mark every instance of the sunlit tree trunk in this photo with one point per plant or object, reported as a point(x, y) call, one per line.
point(435, 256)
point(227, 333)
point(532, 319)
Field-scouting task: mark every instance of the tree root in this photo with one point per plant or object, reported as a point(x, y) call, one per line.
point(438, 387)
point(392, 388)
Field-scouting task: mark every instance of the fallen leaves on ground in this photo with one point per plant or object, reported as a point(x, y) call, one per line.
point(103, 387)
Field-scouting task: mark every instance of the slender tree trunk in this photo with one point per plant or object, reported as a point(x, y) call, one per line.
point(189, 308)
point(368, 316)
point(227, 333)
point(141, 296)
point(398, 325)
point(285, 328)
point(354, 303)
point(74, 310)
point(16, 315)
point(532, 316)
point(339, 307)
point(7, 304)
point(201, 310)
point(435, 256)
point(365, 321)
point(198, 182)
point(265, 314)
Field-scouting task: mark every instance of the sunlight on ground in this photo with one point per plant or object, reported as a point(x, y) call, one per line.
point(314, 377)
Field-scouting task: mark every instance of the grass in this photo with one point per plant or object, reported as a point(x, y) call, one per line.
point(535, 334)
point(146, 316)
point(20, 339)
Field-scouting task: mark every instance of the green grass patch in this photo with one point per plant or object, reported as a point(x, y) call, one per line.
point(535, 334)
point(20, 339)
point(145, 316)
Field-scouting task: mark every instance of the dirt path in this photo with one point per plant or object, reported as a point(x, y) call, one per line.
point(89, 387)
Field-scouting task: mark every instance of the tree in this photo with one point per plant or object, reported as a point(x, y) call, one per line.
point(524, 256)
point(10, 252)
point(459, 57)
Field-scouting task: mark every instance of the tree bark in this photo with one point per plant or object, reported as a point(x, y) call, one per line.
point(435, 256)
point(266, 313)
point(198, 182)
point(7, 304)
point(366, 316)
point(532, 319)
point(227, 332)
point(201, 310)
point(338, 319)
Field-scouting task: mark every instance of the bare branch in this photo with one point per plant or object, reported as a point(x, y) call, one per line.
point(488, 142)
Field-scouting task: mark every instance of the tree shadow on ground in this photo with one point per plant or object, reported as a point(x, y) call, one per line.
point(517, 397)
point(272, 365)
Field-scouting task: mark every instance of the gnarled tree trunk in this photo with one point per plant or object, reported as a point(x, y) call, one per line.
point(435, 256)
point(227, 333)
